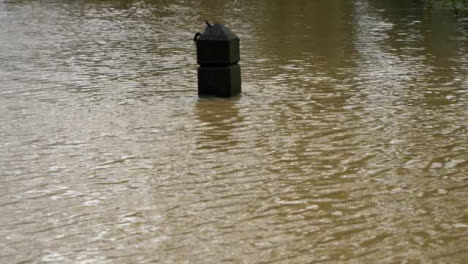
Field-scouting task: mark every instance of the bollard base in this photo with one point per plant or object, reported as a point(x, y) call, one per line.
point(222, 81)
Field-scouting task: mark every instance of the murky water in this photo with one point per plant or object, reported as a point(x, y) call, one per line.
point(349, 143)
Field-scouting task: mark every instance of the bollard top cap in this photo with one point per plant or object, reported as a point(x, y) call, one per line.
point(217, 32)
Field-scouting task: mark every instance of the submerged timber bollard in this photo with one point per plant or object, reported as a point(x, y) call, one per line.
point(218, 55)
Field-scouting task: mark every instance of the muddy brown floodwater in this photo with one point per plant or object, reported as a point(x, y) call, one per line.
point(349, 143)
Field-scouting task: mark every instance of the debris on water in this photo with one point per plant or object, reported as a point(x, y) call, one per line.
point(91, 203)
point(337, 213)
point(442, 191)
point(421, 212)
point(452, 164)
point(312, 207)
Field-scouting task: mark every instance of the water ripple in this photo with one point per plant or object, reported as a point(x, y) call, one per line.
point(348, 143)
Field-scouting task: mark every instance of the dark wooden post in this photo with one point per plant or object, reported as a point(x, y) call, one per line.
point(219, 73)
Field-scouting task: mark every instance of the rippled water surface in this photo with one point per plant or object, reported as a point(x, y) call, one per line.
point(349, 143)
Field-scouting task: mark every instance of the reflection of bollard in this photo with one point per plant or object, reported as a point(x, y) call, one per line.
point(218, 55)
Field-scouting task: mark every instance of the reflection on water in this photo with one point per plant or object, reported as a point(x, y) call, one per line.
point(349, 143)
